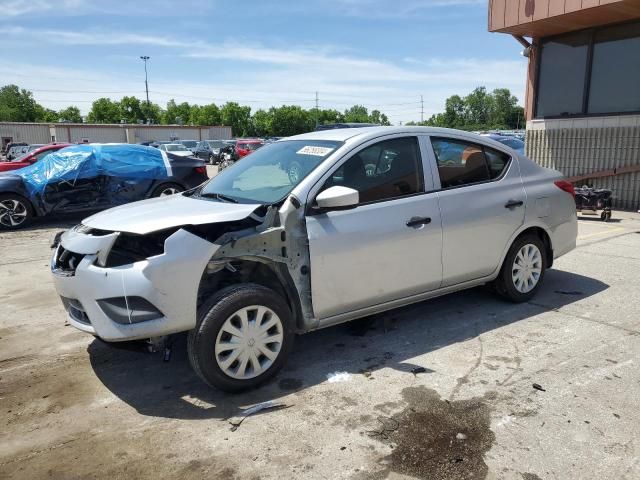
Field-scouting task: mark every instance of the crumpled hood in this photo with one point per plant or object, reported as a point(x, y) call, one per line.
point(160, 213)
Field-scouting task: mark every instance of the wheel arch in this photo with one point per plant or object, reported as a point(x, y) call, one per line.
point(541, 232)
point(35, 210)
point(233, 271)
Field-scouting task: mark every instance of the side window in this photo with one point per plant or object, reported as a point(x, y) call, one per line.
point(459, 163)
point(383, 171)
point(498, 161)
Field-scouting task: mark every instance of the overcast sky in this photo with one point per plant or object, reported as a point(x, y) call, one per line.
point(383, 54)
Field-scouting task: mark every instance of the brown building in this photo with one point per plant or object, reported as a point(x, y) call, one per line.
point(583, 87)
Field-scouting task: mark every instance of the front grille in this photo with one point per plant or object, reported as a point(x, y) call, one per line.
point(75, 309)
point(66, 262)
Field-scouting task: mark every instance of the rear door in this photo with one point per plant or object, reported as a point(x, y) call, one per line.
point(482, 204)
point(373, 253)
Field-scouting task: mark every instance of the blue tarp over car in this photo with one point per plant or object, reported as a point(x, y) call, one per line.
point(134, 162)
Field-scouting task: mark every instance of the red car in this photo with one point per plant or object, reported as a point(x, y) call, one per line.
point(245, 147)
point(32, 157)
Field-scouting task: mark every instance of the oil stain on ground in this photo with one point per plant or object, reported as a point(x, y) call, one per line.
point(437, 439)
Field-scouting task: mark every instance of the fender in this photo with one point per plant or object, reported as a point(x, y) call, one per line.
point(516, 234)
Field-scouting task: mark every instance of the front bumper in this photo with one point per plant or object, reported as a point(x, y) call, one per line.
point(169, 282)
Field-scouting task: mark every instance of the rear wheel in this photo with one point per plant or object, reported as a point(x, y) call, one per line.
point(167, 189)
point(523, 269)
point(15, 212)
point(242, 339)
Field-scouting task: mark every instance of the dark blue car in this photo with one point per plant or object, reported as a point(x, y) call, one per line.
point(93, 177)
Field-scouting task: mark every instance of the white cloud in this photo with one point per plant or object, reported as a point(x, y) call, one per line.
point(275, 75)
point(15, 8)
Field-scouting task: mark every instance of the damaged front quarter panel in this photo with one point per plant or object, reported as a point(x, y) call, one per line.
point(280, 242)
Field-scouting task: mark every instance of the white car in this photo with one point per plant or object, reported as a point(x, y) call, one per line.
point(177, 149)
point(378, 218)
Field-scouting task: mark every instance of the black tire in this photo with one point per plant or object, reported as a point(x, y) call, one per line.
point(211, 317)
point(162, 190)
point(505, 285)
point(16, 209)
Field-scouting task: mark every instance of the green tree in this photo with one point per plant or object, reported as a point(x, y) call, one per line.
point(151, 112)
point(379, 118)
point(46, 115)
point(502, 107)
point(356, 114)
point(479, 105)
point(70, 114)
point(130, 110)
point(104, 110)
point(208, 115)
point(261, 122)
point(237, 117)
point(177, 113)
point(17, 105)
point(290, 120)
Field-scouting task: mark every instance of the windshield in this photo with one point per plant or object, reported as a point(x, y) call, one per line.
point(216, 144)
point(189, 143)
point(269, 174)
point(175, 148)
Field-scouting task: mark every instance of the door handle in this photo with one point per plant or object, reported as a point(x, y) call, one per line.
point(417, 221)
point(513, 204)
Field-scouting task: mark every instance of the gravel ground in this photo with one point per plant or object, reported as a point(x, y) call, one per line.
point(442, 389)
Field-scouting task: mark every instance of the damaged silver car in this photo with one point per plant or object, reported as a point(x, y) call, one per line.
point(377, 218)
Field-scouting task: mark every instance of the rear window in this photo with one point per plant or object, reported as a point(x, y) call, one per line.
point(463, 163)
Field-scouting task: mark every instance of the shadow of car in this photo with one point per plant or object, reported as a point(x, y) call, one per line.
point(172, 390)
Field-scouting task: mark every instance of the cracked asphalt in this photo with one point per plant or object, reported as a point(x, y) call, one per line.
point(441, 389)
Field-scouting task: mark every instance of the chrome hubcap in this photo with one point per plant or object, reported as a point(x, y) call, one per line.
point(527, 268)
point(12, 213)
point(169, 191)
point(249, 342)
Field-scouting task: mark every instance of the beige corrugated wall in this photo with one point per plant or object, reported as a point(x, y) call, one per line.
point(581, 150)
point(26, 132)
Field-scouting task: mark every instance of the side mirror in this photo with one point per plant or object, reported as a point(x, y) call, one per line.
point(338, 198)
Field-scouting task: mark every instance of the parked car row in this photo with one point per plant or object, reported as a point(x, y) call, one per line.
point(63, 178)
point(209, 150)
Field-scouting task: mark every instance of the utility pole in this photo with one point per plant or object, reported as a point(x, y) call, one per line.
point(317, 109)
point(144, 58)
point(421, 109)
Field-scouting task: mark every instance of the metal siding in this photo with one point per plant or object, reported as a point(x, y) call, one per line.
point(576, 147)
point(26, 132)
point(96, 134)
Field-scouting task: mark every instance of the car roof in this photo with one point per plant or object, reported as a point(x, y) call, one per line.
point(344, 134)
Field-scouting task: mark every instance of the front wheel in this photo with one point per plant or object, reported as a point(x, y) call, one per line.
point(15, 212)
point(242, 339)
point(523, 269)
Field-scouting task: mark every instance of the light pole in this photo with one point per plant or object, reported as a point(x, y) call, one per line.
point(144, 58)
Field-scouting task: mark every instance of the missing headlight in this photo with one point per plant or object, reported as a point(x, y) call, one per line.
point(130, 248)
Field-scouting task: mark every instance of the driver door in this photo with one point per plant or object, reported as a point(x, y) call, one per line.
point(369, 255)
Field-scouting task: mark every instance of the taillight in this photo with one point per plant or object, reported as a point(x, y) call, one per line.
point(200, 170)
point(566, 186)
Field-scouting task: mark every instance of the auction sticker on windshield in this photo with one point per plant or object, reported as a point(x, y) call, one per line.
point(317, 151)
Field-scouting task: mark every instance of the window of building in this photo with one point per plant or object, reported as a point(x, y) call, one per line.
point(383, 171)
point(615, 72)
point(563, 64)
point(594, 71)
